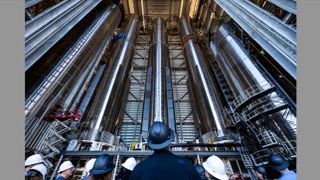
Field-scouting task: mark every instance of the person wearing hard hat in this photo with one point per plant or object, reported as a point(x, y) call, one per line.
point(102, 168)
point(261, 172)
point(32, 161)
point(201, 171)
point(163, 164)
point(215, 168)
point(65, 170)
point(278, 163)
point(86, 172)
point(126, 170)
point(36, 172)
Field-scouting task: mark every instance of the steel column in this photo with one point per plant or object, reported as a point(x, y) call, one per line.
point(200, 76)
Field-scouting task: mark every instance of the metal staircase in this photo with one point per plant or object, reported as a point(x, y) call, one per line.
point(55, 140)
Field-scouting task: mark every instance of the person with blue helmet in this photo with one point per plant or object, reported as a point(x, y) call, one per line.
point(102, 168)
point(163, 164)
point(278, 163)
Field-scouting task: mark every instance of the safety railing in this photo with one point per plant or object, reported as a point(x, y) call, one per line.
point(250, 92)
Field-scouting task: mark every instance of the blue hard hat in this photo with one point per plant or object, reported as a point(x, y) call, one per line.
point(102, 165)
point(160, 136)
point(201, 171)
point(277, 162)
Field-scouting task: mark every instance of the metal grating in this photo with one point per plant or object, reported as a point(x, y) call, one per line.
point(185, 125)
point(131, 125)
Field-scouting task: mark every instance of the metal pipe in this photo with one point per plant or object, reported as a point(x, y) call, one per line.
point(241, 74)
point(288, 5)
point(29, 3)
point(237, 66)
point(87, 49)
point(278, 39)
point(200, 75)
point(45, 30)
point(116, 71)
point(158, 59)
point(47, 16)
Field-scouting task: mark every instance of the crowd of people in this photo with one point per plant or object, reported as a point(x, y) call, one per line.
point(161, 165)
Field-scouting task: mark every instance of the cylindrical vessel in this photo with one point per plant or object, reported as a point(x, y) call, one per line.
point(247, 81)
point(63, 77)
point(158, 58)
point(44, 31)
point(115, 76)
point(238, 68)
point(201, 77)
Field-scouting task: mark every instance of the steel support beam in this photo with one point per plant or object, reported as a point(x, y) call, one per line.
point(91, 154)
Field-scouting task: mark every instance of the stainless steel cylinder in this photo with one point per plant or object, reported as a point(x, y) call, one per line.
point(45, 30)
point(116, 75)
point(200, 76)
point(56, 85)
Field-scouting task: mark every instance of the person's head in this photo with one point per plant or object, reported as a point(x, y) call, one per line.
point(215, 168)
point(160, 136)
point(102, 168)
point(33, 175)
point(277, 162)
point(261, 172)
point(66, 169)
point(38, 171)
point(129, 164)
point(32, 161)
point(201, 172)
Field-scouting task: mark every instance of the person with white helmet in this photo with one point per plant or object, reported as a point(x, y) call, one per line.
point(65, 170)
point(36, 172)
point(126, 170)
point(86, 172)
point(32, 161)
point(215, 168)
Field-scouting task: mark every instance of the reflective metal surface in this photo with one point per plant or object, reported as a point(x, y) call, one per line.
point(158, 57)
point(276, 38)
point(56, 85)
point(116, 71)
point(288, 5)
point(49, 27)
point(241, 75)
point(236, 64)
point(198, 69)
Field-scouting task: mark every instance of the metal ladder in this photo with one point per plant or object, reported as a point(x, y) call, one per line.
point(53, 141)
point(247, 161)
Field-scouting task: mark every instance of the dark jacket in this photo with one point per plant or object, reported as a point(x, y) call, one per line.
point(164, 165)
point(124, 174)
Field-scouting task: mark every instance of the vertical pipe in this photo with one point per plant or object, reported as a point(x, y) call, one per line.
point(158, 74)
point(200, 75)
point(242, 75)
point(116, 71)
point(87, 49)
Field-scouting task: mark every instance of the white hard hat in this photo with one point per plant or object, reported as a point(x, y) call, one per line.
point(130, 163)
point(41, 168)
point(88, 167)
point(215, 166)
point(65, 165)
point(34, 159)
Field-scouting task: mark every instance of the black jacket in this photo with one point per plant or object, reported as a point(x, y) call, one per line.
point(164, 165)
point(124, 174)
